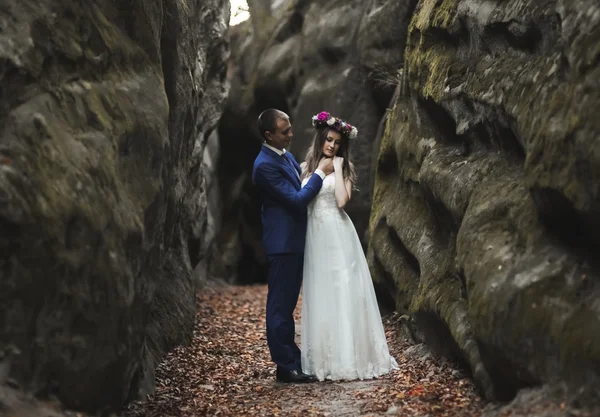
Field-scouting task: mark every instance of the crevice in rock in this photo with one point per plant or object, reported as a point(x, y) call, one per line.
point(291, 27)
point(438, 37)
point(443, 122)
point(332, 55)
point(510, 142)
point(435, 334)
point(411, 260)
point(489, 127)
point(252, 263)
point(522, 36)
point(383, 82)
point(562, 220)
point(446, 226)
point(168, 47)
point(385, 287)
point(124, 145)
point(134, 241)
point(249, 271)
point(504, 374)
point(10, 233)
point(240, 201)
point(15, 85)
point(387, 163)
point(217, 70)
point(194, 246)
point(290, 86)
point(464, 293)
point(270, 96)
point(76, 233)
point(493, 131)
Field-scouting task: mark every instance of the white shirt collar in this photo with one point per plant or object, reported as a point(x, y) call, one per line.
point(277, 151)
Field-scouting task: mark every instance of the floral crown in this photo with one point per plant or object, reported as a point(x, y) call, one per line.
point(324, 119)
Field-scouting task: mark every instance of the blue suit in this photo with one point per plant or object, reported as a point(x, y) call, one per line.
point(284, 218)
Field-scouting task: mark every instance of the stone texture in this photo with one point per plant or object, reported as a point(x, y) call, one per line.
point(105, 109)
point(484, 217)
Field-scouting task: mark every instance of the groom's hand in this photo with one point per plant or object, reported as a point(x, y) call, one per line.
point(326, 165)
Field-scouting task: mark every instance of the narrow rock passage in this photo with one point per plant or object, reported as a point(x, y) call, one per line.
point(226, 371)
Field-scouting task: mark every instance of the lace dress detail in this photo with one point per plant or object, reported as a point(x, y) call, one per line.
point(324, 204)
point(342, 333)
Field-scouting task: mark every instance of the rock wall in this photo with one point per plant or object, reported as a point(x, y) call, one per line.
point(105, 111)
point(484, 222)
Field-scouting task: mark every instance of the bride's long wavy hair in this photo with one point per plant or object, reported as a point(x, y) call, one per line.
point(315, 153)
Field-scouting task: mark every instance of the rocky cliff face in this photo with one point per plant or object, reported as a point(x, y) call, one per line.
point(478, 161)
point(484, 221)
point(106, 108)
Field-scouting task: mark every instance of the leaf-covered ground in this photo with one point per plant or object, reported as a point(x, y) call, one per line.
point(226, 371)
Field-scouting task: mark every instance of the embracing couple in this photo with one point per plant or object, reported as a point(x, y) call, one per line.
point(311, 242)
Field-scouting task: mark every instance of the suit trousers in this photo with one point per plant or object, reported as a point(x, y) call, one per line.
point(284, 281)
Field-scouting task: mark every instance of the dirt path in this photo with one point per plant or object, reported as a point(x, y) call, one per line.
point(226, 371)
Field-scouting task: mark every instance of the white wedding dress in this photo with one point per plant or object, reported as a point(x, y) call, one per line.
point(342, 334)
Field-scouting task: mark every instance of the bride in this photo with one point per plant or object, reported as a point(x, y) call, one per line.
point(342, 333)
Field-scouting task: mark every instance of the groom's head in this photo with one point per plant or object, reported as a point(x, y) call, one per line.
point(275, 127)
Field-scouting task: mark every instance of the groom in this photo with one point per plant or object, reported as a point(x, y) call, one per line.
point(276, 174)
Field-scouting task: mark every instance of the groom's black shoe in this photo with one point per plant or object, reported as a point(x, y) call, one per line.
point(298, 377)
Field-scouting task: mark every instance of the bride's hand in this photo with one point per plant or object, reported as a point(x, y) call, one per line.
point(338, 163)
point(326, 165)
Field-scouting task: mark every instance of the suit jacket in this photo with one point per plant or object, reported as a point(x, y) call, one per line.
point(284, 201)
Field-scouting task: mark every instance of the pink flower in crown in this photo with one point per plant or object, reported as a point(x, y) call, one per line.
point(323, 116)
point(325, 119)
